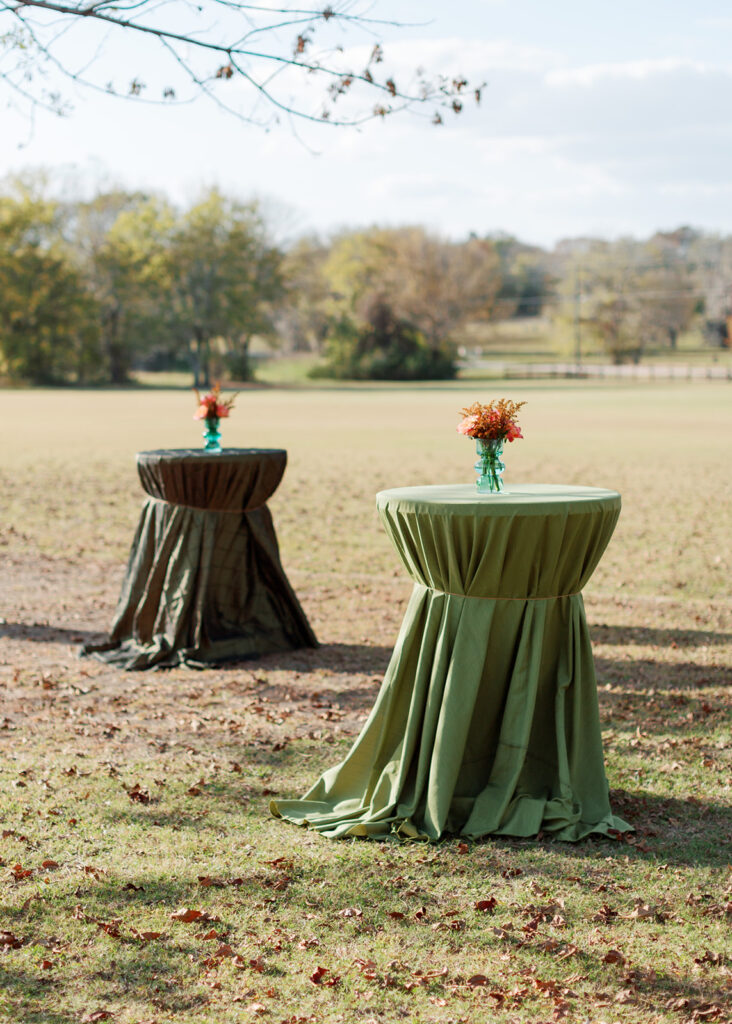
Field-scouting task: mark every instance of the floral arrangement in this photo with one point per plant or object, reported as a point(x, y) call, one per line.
point(493, 422)
point(211, 406)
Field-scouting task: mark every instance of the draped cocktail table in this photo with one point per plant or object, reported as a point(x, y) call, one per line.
point(487, 719)
point(204, 581)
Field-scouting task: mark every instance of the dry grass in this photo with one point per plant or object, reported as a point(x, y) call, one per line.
point(598, 931)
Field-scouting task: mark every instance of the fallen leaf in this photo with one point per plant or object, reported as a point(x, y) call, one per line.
point(487, 904)
point(350, 912)
point(613, 956)
point(186, 915)
point(709, 958)
point(145, 936)
point(137, 794)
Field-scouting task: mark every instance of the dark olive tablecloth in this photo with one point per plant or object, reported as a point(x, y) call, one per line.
point(487, 719)
point(204, 582)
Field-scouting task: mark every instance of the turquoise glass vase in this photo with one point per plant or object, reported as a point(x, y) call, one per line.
point(489, 466)
point(212, 435)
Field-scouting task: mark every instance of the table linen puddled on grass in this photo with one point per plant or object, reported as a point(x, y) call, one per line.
point(204, 581)
point(487, 719)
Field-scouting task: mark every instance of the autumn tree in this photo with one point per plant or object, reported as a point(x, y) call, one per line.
point(301, 316)
point(225, 276)
point(435, 284)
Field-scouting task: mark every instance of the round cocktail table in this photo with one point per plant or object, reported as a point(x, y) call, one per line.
point(487, 719)
point(204, 582)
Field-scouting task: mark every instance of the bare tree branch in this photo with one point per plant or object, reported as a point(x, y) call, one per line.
point(257, 68)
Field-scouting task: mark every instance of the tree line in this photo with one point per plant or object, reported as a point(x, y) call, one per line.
point(91, 290)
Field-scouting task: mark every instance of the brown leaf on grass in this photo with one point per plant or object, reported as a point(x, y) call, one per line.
point(625, 995)
point(613, 956)
point(605, 914)
point(137, 794)
point(96, 873)
point(131, 887)
point(549, 945)
point(568, 951)
point(49, 865)
point(212, 934)
point(206, 881)
point(396, 915)
point(19, 872)
point(511, 872)
point(9, 940)
point(463, 848)
point(486, 905)
point(96, 1015)
point(350, 912)
point(186, 915)
point(257, 965)
point(643, 911)
point(318, 978)
point(146, 936)
point(258, 1009)
point(709, 958)
point(477, 980)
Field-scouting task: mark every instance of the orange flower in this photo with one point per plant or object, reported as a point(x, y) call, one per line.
point(211, 406)
point(495, 421)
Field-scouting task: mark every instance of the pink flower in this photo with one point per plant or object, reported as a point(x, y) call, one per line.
point(201, 412)
point(466, 425)
point(514, 432)
point(221, 411)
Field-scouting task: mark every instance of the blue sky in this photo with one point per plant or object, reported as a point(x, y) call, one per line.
point(597, 118)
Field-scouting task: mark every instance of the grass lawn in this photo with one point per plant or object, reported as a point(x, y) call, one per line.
point(141, 877)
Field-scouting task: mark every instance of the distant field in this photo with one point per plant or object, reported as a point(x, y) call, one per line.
point(634, 932)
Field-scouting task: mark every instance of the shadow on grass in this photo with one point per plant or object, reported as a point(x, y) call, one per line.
point(44, 632)
point(644, 673)
point(27, 996)
point(647, 636)
point(361, 658)
point(669, 830)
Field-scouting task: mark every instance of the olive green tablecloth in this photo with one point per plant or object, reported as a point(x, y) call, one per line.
point(487, 718)
point(204, 582)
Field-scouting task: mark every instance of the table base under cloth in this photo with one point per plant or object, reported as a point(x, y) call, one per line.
point(203, 586)
point(529, 759)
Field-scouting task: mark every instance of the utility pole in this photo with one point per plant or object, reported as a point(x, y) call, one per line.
point(577, 328)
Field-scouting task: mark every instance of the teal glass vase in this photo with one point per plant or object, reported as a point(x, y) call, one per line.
point(489, 466)
point(212, 435)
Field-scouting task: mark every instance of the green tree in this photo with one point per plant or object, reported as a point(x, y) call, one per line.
point(225, 277)
point(385, 347)
point(48, 317)
point(122, 241)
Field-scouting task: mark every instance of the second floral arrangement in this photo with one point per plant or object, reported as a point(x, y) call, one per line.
point(491, 426)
